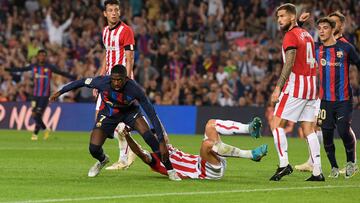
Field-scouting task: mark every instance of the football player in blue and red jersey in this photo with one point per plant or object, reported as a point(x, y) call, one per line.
point(42, 74)
point(334, 58)
point(121, 100)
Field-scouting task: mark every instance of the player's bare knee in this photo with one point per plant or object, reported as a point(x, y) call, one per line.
point(210, 125)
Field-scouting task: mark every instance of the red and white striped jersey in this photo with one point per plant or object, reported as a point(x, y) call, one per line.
point(189, 166)
point(116, 40)
point(302, 80)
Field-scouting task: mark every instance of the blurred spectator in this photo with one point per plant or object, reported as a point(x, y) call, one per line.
point(193, 52)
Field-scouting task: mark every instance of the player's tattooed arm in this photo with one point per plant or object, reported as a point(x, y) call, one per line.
point(290, 56)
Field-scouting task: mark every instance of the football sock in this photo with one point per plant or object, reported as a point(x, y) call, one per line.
point(151, 140)
point(226, 150)
point(281, 146)
point(329, 146)
point(123, 148)
point(39, 124)
point(97, 152)
point(167, 163)
point(314, 147)
point(229, 127)
point(343, 128)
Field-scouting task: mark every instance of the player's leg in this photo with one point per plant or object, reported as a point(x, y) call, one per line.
point(97, 140)
point(37, 113)
point(287, 109)
point(126, 156)
point(327, 123)
point(308, 165)
point(343, 122)
point(308, 124)
point(212, 143)
point(229, 127)
point(137, 121)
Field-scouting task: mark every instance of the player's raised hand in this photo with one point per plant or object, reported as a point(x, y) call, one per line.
point(54, 97)
point(164, 152)
point(275, 95)
point(95, 93)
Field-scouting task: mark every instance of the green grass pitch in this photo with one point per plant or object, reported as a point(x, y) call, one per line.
point(56, 171)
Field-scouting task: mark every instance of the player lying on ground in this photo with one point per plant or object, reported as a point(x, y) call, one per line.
point(119, 96)
point(211, 162)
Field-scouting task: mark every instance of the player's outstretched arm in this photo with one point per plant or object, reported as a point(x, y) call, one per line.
point(290, 56)
point(88, 82)
point(135, 147)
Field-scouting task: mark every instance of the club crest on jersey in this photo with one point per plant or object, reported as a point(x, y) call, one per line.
point(323, 62)
point(339, 54)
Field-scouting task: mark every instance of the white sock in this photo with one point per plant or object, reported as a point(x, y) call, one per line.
point(123, 145)
point(281, 146)
point(319, 135)
point(123, 149)
point(231, 127)
point(230, 151)
point(314, 147)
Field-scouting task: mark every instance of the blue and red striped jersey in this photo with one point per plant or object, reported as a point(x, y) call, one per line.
point(42, 75)
point(119, 102)
point(334, 63)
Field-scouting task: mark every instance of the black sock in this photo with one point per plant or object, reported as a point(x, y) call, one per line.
point(343, 127)
point(97, 152)
point(167, 163)
point(39, 123)
point(151, 140)
point(328, 135)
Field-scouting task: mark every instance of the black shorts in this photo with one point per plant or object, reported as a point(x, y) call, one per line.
point(331, 112)
point(39, 104)
point(108, 124)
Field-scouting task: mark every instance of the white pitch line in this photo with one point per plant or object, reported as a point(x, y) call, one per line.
point(184, 194)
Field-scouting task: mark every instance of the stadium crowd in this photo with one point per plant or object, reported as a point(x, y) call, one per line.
point(188, 52)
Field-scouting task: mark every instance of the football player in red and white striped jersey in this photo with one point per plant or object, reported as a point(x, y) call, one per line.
point(211, 162)
point(118, 41)
point(295, 92)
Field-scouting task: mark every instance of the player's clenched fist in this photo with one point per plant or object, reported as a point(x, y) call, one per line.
point(275, 95)
point(54, 97)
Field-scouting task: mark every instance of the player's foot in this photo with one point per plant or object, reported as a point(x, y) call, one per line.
point(119, 165)
point(46, 134)
point(34, 137)
point(95, 170)
point(281, 172)
point(334, 173)
point(305, 167)
point(351, 169)
point(173, 175)
point(259, 152)
point(255, 127)
point(316, 178)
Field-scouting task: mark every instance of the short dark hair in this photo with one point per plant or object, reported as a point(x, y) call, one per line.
point(42, 51)
point(339, 15)
point(119, 69)
point(288, 7)
point(331, 22)
point(111, 2)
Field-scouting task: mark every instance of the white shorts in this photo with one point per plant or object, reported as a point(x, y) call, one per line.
point(295, 109)
point(98, 103)
point(210, 171)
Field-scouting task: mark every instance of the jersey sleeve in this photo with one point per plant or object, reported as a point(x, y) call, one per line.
point(148, 108)
point(94, 83)
point(290, 41)
point(128, 39)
